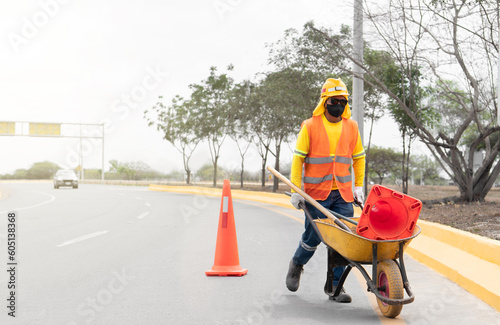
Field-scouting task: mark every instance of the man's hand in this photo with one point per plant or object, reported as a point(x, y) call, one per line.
point(296, 199)
point(359, 194)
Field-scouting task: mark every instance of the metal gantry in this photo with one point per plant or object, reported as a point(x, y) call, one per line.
point(56, 130)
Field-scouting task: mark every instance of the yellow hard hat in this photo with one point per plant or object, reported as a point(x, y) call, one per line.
point(333, 87)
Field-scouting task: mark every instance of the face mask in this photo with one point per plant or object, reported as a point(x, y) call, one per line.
point(335, 110)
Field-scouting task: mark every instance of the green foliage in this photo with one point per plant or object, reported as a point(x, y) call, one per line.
point(211, 109)
point(176, 175)
point(18, 174)
point(326, 52)
point(134, 171)
point(92, 173)
point(39, 170)
point(382, 65)
point(42, 170)
point(384, 162)
point(206, 172)
point(405, 83)
point(448, 98)
point(243, 102)
point(426, 171)
point(177, 124)
point(290, 92)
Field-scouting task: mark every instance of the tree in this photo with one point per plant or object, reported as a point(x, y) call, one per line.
point(383, 163)
point(206, 172)
point(426, 171)
point(177, 124)
point(405, 83)
point(439, 37)
point(42, 170)
point(288, 93)
point(93, 173)
point(284, 108)
point(258, 123)
point(136, 170)
point(375, 101)
point(242, 104)
point(39, 170)
point(210, 107)
point(18, 174)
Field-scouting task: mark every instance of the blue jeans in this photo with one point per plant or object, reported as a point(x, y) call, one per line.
point(310, 239)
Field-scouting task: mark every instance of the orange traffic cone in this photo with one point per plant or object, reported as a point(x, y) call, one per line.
point(226, 260)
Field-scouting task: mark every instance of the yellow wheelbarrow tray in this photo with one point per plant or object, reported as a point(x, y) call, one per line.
point(351, 250)
point(357, 248)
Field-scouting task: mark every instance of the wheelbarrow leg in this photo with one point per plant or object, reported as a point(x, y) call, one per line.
point(334, 260)
point(329, 272)
point(342, 280)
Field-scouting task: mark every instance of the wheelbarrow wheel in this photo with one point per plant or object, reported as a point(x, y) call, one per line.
point(390, 285)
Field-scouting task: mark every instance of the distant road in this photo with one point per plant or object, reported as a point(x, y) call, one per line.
point(125, 255)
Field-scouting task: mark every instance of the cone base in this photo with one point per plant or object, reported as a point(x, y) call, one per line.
point(234, 270)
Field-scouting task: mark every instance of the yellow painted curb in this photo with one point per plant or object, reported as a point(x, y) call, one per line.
point(272, 198)
point(471, 261)
point(264, 197)
point(482, 247)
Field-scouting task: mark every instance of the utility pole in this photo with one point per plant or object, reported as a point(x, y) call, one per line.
point(102, 172)
point(357, 83)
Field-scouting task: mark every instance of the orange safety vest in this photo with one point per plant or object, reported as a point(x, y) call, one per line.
point(321, 167)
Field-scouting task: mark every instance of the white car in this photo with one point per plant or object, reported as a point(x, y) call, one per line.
point(65, 178)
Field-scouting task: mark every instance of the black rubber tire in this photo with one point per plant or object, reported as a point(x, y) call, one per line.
point(388, 273)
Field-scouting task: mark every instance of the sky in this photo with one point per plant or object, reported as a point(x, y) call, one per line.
point(95, 62)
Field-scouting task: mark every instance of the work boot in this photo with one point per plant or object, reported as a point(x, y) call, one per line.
point(342, 297)
point(293, 276)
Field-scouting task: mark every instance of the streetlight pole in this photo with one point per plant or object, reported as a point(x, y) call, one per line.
point(357, 83)
point(102, 170)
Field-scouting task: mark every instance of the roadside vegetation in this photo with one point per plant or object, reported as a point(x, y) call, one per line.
point(430, 66)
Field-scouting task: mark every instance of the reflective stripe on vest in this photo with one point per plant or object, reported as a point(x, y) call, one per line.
point(321, 160)
point(317, 180)
point(343, 160)
point(343, 179)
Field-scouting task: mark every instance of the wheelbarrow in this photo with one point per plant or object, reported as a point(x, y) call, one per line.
point(388, 281)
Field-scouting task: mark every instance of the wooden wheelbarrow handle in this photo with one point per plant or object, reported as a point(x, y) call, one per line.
point(309, 199)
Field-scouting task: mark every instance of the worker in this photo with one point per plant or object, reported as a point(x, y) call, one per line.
point(327, 144)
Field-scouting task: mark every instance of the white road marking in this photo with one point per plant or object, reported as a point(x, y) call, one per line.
point(148, 204)
point(79, 239)
point(52, 198)
point(143, 215)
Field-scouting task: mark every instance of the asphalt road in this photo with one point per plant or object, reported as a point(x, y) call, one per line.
point(125, 255)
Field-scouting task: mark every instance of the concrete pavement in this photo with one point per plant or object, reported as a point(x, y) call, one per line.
point(471, 261)
point(125, 255)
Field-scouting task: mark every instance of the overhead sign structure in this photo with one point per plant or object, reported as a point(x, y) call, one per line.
point(57, 130)
point(45, 129)
point(7, 128)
